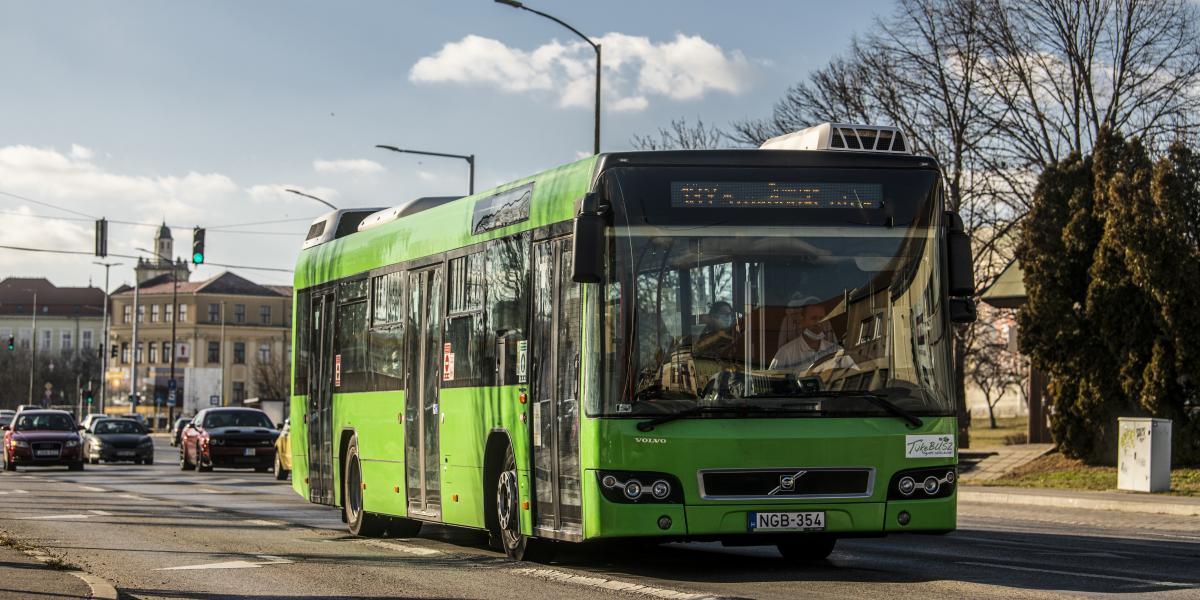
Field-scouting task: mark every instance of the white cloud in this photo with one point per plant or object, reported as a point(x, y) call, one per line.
point(357, 166)
point(635, 68)
point(80, 152)
point(426, 175)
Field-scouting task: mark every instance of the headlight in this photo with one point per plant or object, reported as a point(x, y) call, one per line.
point(639, 487)
point(922, 484)
point(71, 444)
point(21, 443)
point(146, 442)
point(216, 442)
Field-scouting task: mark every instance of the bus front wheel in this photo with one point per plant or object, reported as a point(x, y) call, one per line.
point(809, 548)
point(359, 521)
point(517, 546)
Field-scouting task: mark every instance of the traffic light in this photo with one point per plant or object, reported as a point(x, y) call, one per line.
point(89, 396)
point(197, 245)
point(101, 238)
point(12, 343)
point(113, 353)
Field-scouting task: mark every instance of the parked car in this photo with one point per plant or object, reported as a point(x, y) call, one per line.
point(228, 437)
point(177, 430)
point(112, 440)
point(6, 417)
point(87, 421)
point(140, 418)
point(42, 438)
point(283, 452)
point(22, 407)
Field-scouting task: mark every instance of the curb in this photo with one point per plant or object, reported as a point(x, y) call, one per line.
point(1137, 506)
point(100, 588)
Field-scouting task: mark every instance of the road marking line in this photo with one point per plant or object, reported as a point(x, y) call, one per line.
point(100, 513)
point(212, 491)
point(1078, 574)
point(613, 585)
point(63, 517)
point(199, 509)
point(233, 564)
point(7, 492)
point(132, 497)
point(405, 548)
point(264, 523)
point(92, 489)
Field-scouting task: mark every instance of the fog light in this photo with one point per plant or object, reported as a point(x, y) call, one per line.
point(660, 490)
point(903, 518)
point(633, 489)
point(932, 485)
point(664, 522)
point(907, 485)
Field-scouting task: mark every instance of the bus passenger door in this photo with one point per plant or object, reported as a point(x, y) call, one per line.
point(421, 415)
point(320, 400)
point(556, 335)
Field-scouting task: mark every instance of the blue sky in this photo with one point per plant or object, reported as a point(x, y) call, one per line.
point(200, 112)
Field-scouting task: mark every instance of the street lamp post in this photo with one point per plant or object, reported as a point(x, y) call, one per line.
point(594, 45)
point(104, 338)
point(33, 349)
point(311, 197)
point(470, 158)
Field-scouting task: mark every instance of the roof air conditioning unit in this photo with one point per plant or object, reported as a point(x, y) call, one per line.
point(843, 137)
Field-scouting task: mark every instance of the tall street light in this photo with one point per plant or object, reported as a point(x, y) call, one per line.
point(310, 196)
point(470, 158)
point(594, 45)
point(104, 338)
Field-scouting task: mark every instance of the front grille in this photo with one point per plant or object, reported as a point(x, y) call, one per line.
point(123, 445)
point(56, 446)
point(249, 443)
point(786, 483)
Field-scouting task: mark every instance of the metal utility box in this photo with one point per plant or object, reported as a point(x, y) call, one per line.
point(1144, 455)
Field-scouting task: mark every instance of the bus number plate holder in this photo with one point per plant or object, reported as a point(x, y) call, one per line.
point(786, 521)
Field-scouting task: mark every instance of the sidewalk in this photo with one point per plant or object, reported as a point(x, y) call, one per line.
point(24, 577)
point(1186, 506)
point(998, 461)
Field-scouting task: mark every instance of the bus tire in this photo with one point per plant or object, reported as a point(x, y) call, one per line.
point(359, 521)
point(808, 548)
point(517, 545)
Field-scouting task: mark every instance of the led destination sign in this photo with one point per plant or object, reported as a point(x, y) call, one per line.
point(774, 194)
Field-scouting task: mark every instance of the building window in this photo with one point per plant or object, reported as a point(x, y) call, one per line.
point(141, 313)
point(239, 353)
point(264, 315)
point(153, 352)
point(183, 313)
point(85, 339)
point(124, 353)
point(154, 313)
point(140, 357)
point(264, 353)
point(128, 314)
point(239, 392)
point(239, 313)
point(214, 352)
point(168, 314)
point(65, 341)
point(47, 341)
point(214, 313)
point(5, 333)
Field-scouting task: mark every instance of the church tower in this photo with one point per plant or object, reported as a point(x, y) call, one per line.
point(164, 245)
point(164, 261)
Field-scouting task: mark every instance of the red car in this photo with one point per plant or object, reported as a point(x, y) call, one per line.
point(237, 438)
point(42, 438)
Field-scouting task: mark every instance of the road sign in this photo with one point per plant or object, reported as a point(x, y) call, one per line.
point(214, 400)
point(171, 398)
point(171, 384)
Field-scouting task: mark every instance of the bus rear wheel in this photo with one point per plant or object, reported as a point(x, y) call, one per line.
point(359, 521)
point(809, 548)
point(517, 546)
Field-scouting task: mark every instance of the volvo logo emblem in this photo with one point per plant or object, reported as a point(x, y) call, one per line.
point(787, 483)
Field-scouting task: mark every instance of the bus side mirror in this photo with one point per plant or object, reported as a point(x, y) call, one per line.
point(962, 310)
point(962, 272)
point(587, 251)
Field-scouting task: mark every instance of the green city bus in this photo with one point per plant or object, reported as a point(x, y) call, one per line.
point(745, 346)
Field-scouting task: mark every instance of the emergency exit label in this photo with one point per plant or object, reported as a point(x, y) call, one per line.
point(337, 371)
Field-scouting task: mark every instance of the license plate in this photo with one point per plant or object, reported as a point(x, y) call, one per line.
point(126, 453)
point(249, 452)
point(787, 521)
point(46, 453)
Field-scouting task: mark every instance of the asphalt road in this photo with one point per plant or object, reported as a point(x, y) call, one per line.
point(157, 532)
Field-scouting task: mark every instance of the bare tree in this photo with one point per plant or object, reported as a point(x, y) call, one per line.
point(993, 367)
point(683, 136)
point(271, 380)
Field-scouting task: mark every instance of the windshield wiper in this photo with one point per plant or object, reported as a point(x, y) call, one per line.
point(695, 411)
point(875, 398)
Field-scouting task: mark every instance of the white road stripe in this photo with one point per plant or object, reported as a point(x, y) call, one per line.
point(132, 497)
point(612, 585)
point(7, 492)
point(405, 548)
point(264, 523)
point(233, 564)
point(89, 488)
point(198, 509)
point(212, 491)
point(100, 513)
point(1078, 574)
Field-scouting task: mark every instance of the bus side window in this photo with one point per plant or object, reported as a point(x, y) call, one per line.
point(507, 311)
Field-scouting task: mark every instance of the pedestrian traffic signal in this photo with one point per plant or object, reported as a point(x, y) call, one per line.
point(197, 245)
point(11, 343)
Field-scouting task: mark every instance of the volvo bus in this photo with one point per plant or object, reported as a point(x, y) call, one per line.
point(745, 346)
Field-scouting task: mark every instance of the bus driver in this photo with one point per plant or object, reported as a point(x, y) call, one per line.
point(810, 346)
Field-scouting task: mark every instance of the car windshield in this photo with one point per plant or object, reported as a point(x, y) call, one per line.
point(44, 422)
point(5, 419)
point(117, 426)
point(237, 418)
point(711, 309)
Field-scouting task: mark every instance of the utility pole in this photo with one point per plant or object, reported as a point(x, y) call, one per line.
point(222, 355)
point(104, 339)
point(133, 375)
point(33, 349)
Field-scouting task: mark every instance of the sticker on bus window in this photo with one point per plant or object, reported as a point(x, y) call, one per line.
point(522, 360)
point(447, 362)
point(537, 424)
point(337, 371)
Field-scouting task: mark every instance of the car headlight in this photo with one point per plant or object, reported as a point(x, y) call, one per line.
point(640, 487)
point(146, 442)
point(71, 444)
point(216, 442)
point(21, 443)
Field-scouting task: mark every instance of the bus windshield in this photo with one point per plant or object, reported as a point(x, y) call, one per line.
point(797, 292)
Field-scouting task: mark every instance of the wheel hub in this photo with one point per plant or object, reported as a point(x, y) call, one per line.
point(506, 501)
